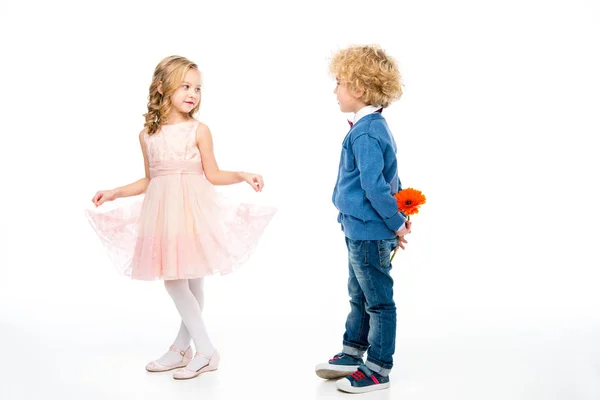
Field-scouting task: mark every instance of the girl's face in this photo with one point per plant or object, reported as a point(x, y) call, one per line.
point(187, 96)
point(347, 100)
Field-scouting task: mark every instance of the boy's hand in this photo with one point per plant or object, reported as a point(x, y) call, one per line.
point(401, 233)
point(401, 242)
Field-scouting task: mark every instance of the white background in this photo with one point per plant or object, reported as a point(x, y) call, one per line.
point(497, 291)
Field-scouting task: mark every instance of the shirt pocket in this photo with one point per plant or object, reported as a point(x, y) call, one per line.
point(348, 159)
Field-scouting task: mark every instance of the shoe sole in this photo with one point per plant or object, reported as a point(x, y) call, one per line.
point(329, 371)
point(195, 376)
point(364, 389)
point(166, 370)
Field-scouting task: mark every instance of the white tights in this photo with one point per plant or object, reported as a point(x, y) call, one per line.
point(188, 296)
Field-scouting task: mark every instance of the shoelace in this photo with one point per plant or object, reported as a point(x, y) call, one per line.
point(357, 375)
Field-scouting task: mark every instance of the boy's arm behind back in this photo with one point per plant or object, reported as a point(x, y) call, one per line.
point(370, 163)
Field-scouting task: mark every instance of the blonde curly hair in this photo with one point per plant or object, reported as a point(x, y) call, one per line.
point(368, 69)
point(168, 76)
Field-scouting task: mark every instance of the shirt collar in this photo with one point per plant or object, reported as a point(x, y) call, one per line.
point(363, 112)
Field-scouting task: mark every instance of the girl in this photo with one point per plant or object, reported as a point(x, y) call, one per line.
point(183, 230)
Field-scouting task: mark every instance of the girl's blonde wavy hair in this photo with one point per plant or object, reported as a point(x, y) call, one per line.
point(371, 70)
point(168, 74)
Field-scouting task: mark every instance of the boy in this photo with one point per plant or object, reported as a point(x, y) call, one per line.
point(367, 81)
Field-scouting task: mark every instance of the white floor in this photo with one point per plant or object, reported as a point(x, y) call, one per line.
point(273, 358)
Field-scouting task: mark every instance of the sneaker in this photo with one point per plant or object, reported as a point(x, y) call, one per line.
point(363, 380)
point(339, 366)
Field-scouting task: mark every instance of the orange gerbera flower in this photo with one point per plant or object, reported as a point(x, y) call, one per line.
point(409, 200)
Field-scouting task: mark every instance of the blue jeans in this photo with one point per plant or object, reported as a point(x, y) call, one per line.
point(371, 324)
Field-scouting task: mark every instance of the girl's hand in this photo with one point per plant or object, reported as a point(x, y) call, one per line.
point(254, 180)
point(104, 195)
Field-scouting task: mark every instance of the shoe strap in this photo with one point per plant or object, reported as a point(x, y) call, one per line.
point(176, 350)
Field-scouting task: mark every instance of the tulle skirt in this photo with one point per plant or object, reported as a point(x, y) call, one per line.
point(182, 228)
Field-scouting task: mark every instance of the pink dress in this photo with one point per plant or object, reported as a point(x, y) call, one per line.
point(183, 228)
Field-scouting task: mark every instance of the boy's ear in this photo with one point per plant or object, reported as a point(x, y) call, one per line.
point(358, 92)
point(160, 87)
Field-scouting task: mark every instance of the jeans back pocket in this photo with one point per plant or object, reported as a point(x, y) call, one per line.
point(386, 247)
